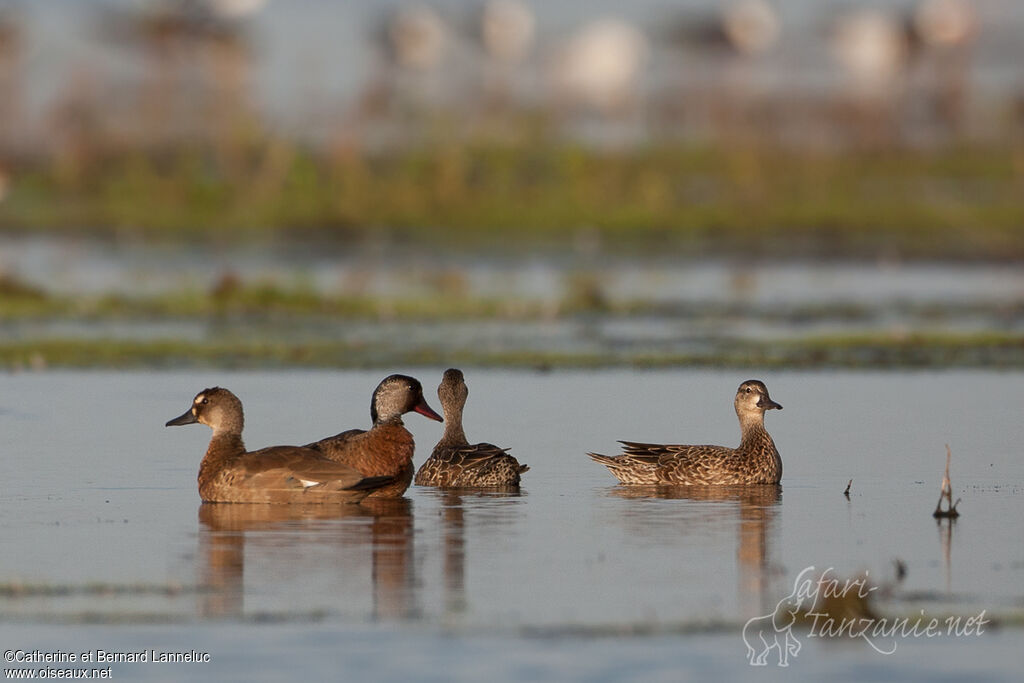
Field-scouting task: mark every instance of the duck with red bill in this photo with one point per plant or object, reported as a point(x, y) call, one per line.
point(387, 448)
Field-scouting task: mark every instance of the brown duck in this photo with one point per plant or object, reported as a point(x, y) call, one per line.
point(754, 461)
point(457, 463)
point(278, 474)
point(386, 449)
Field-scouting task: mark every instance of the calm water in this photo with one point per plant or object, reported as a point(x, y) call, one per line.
point(107, 546)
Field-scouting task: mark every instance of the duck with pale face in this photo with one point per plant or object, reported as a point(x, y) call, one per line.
point(277, 474)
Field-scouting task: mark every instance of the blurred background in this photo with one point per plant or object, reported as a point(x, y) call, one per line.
point(262, 182)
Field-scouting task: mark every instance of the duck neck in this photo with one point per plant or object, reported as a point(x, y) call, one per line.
point(754, 435)
point(393, 420)
point(224, 447)
point(453, 433)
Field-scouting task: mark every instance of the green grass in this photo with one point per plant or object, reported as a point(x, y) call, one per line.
point(953, 203)
point(445, 297)
point(265, 301)
point(988, 350)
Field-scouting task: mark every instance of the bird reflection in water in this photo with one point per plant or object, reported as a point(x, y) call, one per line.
point(454, 504)
point(286, 538)
point(754, 514)
point(391, 540)
point(453, 544)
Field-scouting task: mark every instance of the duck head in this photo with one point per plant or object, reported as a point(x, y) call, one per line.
point(215, 407)
point(397, 395)
point(752, 399)
point(452, 391)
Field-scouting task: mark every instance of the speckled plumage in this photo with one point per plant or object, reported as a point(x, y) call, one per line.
point(457, 463)
point(277, 474)
point(387, 448)
point(754, 461)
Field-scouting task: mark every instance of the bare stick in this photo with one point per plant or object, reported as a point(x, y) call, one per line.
point(946, 492)
point(847, 491)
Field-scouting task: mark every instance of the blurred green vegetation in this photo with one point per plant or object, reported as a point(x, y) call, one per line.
point(956, 202)
point(982, 350)
point(231, 320)
point(260, 300)
point(441, 301)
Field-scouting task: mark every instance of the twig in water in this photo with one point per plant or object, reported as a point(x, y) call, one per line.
point(946, 492)
point(901, 569)
point(847, 491)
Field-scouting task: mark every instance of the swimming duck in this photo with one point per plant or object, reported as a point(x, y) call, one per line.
point(457, 463)
point(277, 474)
point(754, 461)
point(386, 449)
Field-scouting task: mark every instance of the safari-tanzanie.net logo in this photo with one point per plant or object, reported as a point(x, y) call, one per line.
point(826, 606)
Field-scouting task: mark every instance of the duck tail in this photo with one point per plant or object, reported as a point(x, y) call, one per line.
point(606, 460)
point(524, 468)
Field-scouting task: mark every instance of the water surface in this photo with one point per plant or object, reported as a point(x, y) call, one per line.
point(101, 524)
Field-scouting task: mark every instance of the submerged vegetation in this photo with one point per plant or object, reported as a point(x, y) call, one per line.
point(259, 325)
point(262, 324)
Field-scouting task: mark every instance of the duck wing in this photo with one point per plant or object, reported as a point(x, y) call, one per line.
point(386, 450)
point(680, 464)
point(291, 467)
point(644, 452)
point(471, 456)
point(480, 464)
point(336, 443)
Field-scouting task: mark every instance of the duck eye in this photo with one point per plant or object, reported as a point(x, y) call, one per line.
point(205, 401)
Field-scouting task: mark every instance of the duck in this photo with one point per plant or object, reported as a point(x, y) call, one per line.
point(386, 449)
point(755, 461)
point(229, 473)
point(454, 461)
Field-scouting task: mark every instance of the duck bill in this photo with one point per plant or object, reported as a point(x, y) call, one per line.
point(768, 404)
point(188, 418)
point(423, 409)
